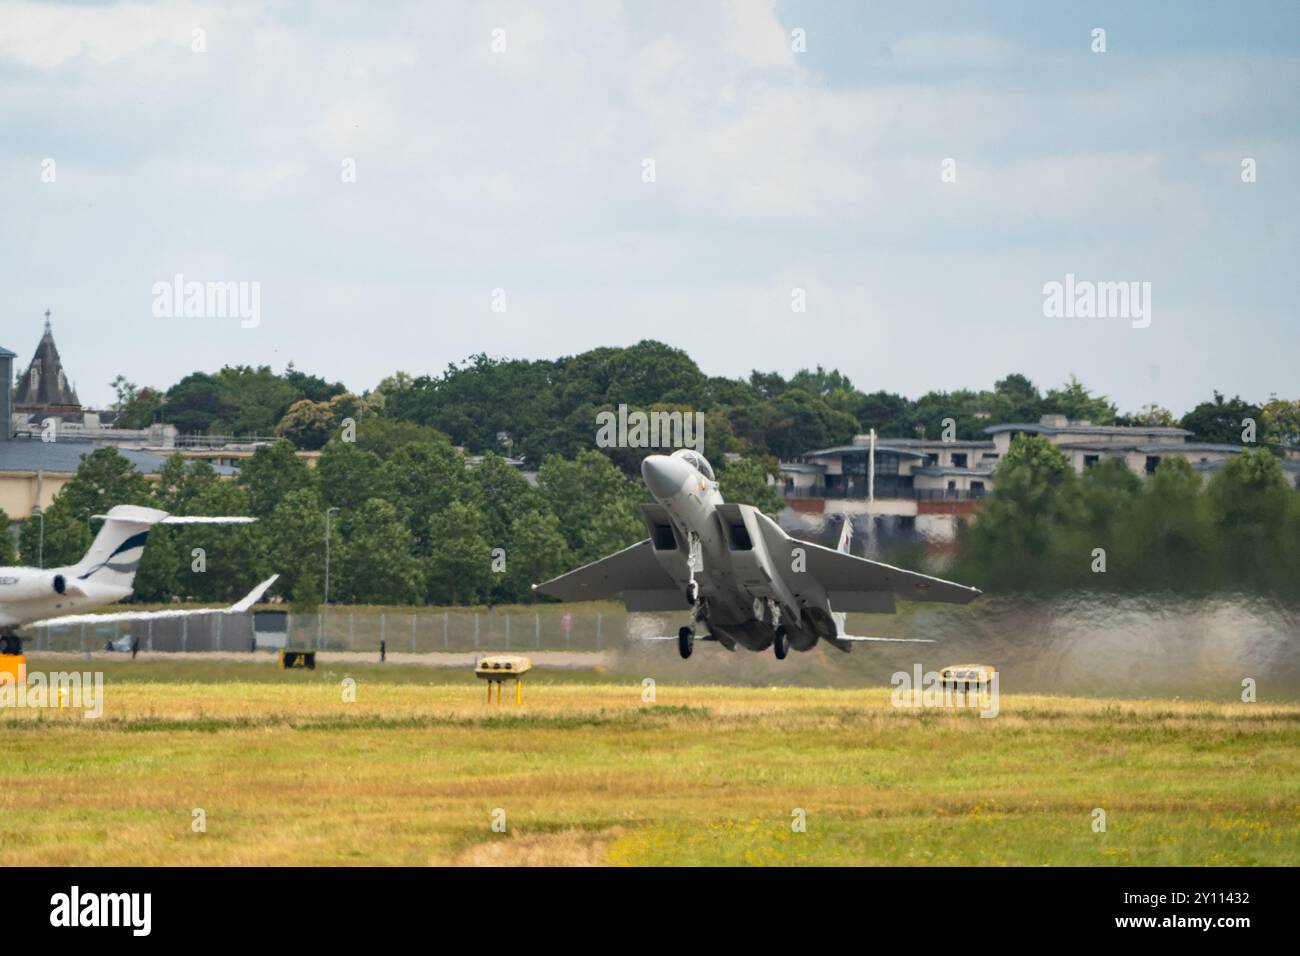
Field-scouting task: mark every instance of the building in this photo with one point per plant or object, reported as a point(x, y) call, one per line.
point(6, 399)
point(44, 390)
point(925, 489)
point(33, 470)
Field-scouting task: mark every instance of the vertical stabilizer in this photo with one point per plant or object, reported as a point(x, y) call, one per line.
point(116, 552)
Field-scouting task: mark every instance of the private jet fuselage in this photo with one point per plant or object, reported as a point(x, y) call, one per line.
point(31, 594)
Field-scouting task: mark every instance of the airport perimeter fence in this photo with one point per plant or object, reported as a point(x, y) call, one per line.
point(342, 629)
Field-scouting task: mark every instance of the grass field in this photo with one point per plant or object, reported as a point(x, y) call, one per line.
point(286, 772)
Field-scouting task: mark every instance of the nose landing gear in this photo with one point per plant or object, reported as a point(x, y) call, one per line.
point(10, 644)
point(781, 642)
point(685, 641)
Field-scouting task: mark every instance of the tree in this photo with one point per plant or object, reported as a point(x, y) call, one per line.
point(6, 540)
point(295, 533)
point(503, 494)
point(459, 566)
point(260, 397)
point(197, 402)
point(378, 563)
point(349, 476)
point(1251, 503)
point(1037, 494)
point(217, 563)
point(271, 474)
point(889, 414)
point(1170, 533)
point(426, 478)
point(312, 387)
point(596, 506)
point(104, 478)
point(66, 538)
point(1281, 422)
point(1151, 416)
point(745, 482)
point(135, 406)
point(1221, 421)
point(1075, 402)
point(384, 436)
point(537, 552)
point(309, 425)
point(1021, 400)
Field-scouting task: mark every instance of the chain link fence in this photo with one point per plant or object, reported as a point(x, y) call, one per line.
point(343, 629)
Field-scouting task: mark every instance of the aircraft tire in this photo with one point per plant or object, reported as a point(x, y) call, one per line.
point(685, 642)
point(781, 643)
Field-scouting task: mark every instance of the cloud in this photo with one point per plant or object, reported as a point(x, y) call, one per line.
point(522, 169)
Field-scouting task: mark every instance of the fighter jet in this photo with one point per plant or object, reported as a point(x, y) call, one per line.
point(34, 596)
point(746, 582)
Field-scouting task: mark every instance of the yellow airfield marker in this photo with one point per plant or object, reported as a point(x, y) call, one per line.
point(499, 668)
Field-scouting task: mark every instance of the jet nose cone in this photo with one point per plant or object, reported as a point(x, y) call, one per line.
point(662, 475)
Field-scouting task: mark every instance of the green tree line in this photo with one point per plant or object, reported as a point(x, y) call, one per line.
point(1044, 528)
point(408, 522)
point(548, 407)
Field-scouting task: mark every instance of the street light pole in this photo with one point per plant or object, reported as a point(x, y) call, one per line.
point(320, 620)
point(40, 545)
point(328, 512)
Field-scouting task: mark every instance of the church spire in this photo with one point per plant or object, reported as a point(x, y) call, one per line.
point(45, 385)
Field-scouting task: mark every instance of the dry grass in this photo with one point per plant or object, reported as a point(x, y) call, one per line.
point(411, 773)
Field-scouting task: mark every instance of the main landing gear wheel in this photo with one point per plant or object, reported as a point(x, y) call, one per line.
point(10, 644)
point(685, 642)
point(781, 643)
point(692, 593)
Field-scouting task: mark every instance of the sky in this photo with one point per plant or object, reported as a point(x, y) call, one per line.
point(500, 202)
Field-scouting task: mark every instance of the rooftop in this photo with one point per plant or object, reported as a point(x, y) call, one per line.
point(63, 457)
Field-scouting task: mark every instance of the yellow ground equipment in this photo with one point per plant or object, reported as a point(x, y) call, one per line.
point(499, 668)
point(14, 665)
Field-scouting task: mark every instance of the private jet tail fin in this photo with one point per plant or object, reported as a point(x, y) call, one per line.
point(115, 553)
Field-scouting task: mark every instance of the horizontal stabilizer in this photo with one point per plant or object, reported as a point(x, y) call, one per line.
point(206, 519)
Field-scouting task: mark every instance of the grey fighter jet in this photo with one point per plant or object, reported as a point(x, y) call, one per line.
point(745, 581)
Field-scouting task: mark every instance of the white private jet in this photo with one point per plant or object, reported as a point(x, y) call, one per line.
point(746, 582)
point(36, 596)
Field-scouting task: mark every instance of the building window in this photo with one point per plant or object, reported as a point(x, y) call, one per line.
point(1153, 462)
point(959, 459)
point(977, 488)
point(931, 460)
point(1090, 460)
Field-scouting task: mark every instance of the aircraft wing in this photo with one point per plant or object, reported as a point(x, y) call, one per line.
point(243, 604)
point(860, 584)
point(633, 576)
